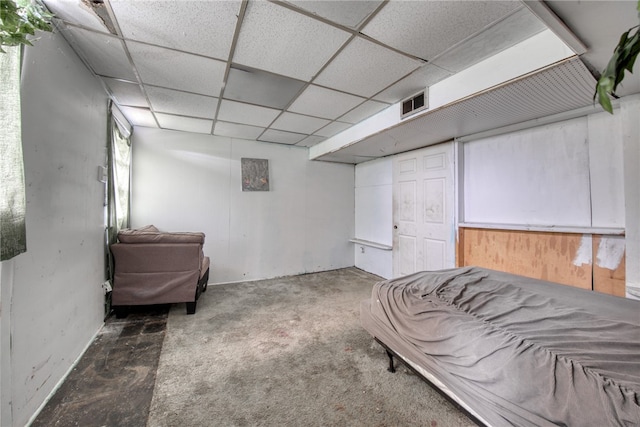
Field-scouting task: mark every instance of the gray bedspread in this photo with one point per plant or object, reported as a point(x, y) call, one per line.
point(517, 351)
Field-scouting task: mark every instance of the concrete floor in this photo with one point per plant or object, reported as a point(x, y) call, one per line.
point(112, 385)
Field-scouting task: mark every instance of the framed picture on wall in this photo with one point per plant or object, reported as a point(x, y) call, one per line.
point(255, 174)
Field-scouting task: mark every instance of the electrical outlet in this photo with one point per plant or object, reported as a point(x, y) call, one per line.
point(102, 174)
point(106, 287)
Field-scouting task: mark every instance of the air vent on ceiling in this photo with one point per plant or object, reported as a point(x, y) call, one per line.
point(415, 103)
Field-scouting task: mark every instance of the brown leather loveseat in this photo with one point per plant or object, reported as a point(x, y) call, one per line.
point(154, 267)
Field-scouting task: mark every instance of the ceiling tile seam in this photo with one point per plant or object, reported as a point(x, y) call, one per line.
point(232, 51)
point(284, 143)
point(312, 15)
point(308, 115)
point(253, 104)
point(89, 29)
point(113, 18)
point(329, 124)
point(140, 85)
point(370, 39)
point(365, 98)
point(310, 82)
point(240, 124)
point(118, 79)
point(175, 90)
point(134, 68)
point(126, 39)
point(101, 77)
point(307, 84)
point(228, 62)
point(476, 34)
point(305, 133)
point(184, 116)
point(354, 32)
point(59, 25)
point(239, 66)
point(368, 19)
point(306, 146)
point(372, 97)
point(458, 103)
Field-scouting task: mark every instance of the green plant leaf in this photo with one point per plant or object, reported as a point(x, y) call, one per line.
point(605, 102)
point(623, 60)
point(19, 19)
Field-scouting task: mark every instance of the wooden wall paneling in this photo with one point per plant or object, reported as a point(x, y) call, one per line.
point(460, 248)
point(608, 280)
point(541, 255)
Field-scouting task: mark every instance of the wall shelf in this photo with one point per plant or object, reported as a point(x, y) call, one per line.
point(610, 231)
point(371, 244)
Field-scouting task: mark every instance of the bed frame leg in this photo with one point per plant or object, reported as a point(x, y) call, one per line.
point(391, 368)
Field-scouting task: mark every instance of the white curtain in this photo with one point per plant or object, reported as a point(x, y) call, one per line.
point(120, 167)
point(118, 182)
point(13, 236)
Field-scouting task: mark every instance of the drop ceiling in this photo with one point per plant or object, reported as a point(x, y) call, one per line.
point(292, 72)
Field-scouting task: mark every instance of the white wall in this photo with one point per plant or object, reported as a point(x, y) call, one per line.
point(630, 118)
point(568, 173)
point(52, 302)
point(374, 215)
point(191, 182)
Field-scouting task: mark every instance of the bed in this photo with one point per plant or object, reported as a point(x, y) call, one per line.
point(511, 350)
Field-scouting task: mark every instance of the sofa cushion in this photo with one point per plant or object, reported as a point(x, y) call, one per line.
point(137, 236)
point(149, 227)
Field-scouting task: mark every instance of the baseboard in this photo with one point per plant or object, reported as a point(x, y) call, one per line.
point(233, 282)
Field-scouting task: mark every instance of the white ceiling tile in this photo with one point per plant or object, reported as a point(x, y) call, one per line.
point(280, 40)
point(177, 70)
point(345, 12)
point(365, 68)
point(186, 124)
point(420, 79)
point(234, 130)
point(126, 93)
point(139, 116)
point(259, 87)
point(182, 103)
point(281, 137)
point(236, 112)
point(320, 102)
point(180, 24)
point(363, 111)
point(506, 33)
point(333, 129)
point(311, 140)
point(298, 123)
point(428, 28)
point(105, 53)
point(75, 12)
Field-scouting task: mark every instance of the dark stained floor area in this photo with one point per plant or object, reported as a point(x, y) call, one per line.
point(113, 382)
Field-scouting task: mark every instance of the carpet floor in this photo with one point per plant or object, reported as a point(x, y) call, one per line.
point(286, 352)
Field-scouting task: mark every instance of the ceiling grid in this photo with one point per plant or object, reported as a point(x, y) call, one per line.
point(290, 72)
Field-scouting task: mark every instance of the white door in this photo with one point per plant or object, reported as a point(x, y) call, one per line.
point(423, 210)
